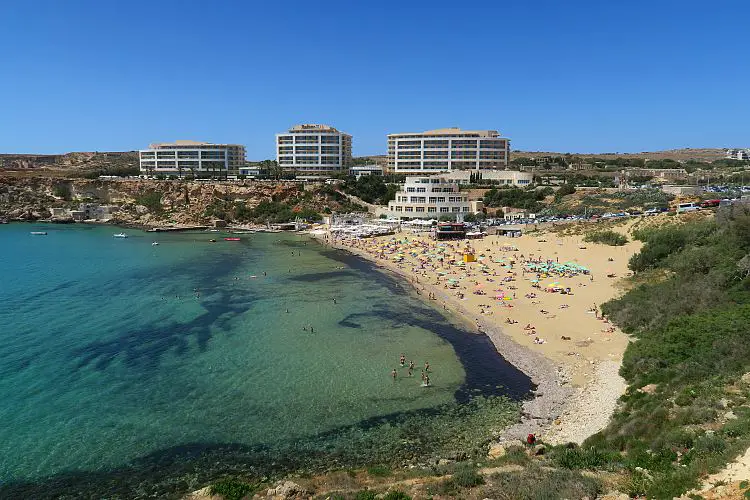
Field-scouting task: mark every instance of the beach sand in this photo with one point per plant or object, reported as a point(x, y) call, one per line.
point(576, 367)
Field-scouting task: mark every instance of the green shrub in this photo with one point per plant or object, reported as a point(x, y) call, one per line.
point(150, 200)
point(580, 458)
point(537, 484)
point(606, 237)
point(379, 471)
point(466, 476)
point(396, 495)
point(365, 495)
point(232, 489)
point(62, 191)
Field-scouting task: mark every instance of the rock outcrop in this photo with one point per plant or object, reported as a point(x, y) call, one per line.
point(152, 202)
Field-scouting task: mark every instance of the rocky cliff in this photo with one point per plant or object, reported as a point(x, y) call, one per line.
point(158, 203)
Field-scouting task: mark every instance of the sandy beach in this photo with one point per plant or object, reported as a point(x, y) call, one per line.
point(537, 298)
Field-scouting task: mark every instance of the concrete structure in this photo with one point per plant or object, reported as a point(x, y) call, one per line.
point(448, 149)
point(737, 154)
point(681, 190)
point(511, 214)
point(361, 170)
point(314, 149)
point(500, 177)
point(476, 206)
point(660, 173)
point(86, 211)
point(429, 198)
point(200, 159)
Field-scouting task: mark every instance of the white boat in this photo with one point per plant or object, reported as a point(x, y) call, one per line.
point(39, 233)
point(154, 243)
point(120, 235)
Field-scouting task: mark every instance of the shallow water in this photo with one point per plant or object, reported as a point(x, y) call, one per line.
point(114, 349)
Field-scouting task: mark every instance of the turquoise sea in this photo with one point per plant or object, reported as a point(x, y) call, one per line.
point(120, 359)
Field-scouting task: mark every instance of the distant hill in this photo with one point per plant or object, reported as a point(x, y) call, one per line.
point(84, 161)
point(700, 154)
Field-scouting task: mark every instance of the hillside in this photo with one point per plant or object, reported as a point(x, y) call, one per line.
point(161, 203)
point(107, 163)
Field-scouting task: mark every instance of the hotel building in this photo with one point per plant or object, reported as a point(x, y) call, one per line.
point(429, 198)
point(314, 149)
point(200, 159)
point(447, 149)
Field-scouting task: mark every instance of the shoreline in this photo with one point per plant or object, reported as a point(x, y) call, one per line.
point(559, 411)
point(550, 393)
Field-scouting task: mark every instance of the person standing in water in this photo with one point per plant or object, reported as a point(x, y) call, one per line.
point(394, 373)
point(402, 359)
point(426, 366)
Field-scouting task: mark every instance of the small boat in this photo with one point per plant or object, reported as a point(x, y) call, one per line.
point(39, 233)
point(231, 239)
point(120, 235)
point(212, 240)
point(154, 243)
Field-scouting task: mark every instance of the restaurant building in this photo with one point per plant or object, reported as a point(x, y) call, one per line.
point(429, 198)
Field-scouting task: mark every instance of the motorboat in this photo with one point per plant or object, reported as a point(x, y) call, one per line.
point(155, 243)
point(231, 239)
point(39, 233)
point(120, 235)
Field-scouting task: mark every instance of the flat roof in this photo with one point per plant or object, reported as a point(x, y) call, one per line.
point(453, 131)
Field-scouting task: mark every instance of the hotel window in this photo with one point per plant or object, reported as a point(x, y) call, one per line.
point(441, 199)
point(410, 190)
point(148, 154)
point(456, 209)
point(399, 209)
point(466, 209)
point(193, 155)
point(165, 154)
point(444, 210)
point(431, 209)
point(420, 209)
point(421, 190)
point(408, 209)
point(433, 199)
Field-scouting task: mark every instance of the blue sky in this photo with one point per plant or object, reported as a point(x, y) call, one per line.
point(578, 76)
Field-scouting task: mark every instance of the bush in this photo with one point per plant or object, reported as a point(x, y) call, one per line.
point(232, 489)
point(62, 191)
point(606, 237)
point(535, 484)
point(379, 471)
point(579, 458)
point(396, 495)
point(466, 476)
point(365, 495)
point(150, 200)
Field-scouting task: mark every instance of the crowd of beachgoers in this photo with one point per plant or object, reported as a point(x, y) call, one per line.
point(544, 295)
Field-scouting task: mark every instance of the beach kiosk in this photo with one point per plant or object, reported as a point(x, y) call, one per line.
point(450, 231)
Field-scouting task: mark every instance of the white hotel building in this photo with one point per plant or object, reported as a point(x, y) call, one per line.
point(429, 198)
point(447, 149)
point(312, 149)
point(200, 159)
